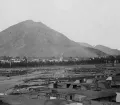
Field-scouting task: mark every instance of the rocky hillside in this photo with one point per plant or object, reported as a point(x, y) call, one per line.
point(35, 39)
point(107, 50)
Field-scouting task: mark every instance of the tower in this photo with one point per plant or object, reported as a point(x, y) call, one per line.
point(61, 57)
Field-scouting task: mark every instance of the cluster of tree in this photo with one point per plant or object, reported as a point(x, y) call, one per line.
point(97, 60)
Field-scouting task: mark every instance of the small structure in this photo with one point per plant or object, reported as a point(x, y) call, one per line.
point(77, 81)
point(109, 78)
point(56, 102)
point(118, 97)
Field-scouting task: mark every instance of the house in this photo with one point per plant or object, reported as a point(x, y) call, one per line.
point(118, 97)
point(4, 61)
point(14, 60)
point(35, 60)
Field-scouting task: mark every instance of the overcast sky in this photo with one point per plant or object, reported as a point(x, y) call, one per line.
point(91, 21)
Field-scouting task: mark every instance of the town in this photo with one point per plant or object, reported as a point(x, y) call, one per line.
point(88, 84)
point(9, 62)
point(59, 52)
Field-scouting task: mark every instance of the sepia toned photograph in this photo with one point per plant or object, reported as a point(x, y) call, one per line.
point(59, 52)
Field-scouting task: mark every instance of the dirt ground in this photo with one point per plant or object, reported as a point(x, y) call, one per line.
point(9, 82)
point(22, 100)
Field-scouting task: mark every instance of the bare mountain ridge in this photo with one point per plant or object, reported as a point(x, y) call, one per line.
point(107, 50)
point(34, 39)
point(85, 44)
point(102, 48)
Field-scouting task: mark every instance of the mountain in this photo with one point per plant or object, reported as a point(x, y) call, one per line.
point(85, 44)
point(35, 39)
point(107, 50)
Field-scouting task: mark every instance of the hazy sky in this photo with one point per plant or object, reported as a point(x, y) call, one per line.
point(91, 21)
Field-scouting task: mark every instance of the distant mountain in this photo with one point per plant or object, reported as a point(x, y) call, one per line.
point(35, 39)
point(107, 50)
point(97, 51)
point(85, 44)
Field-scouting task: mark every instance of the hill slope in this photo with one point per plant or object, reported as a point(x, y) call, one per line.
point(107, 50)
point(34, 39)
point(85, 44)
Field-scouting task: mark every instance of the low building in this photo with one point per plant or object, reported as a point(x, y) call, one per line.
point(4, 61)
point(14, 60)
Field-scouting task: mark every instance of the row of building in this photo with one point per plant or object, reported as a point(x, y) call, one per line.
point(18, 60)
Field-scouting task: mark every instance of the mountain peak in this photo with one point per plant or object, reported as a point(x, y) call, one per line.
point(29, 21)
point(35, 39)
